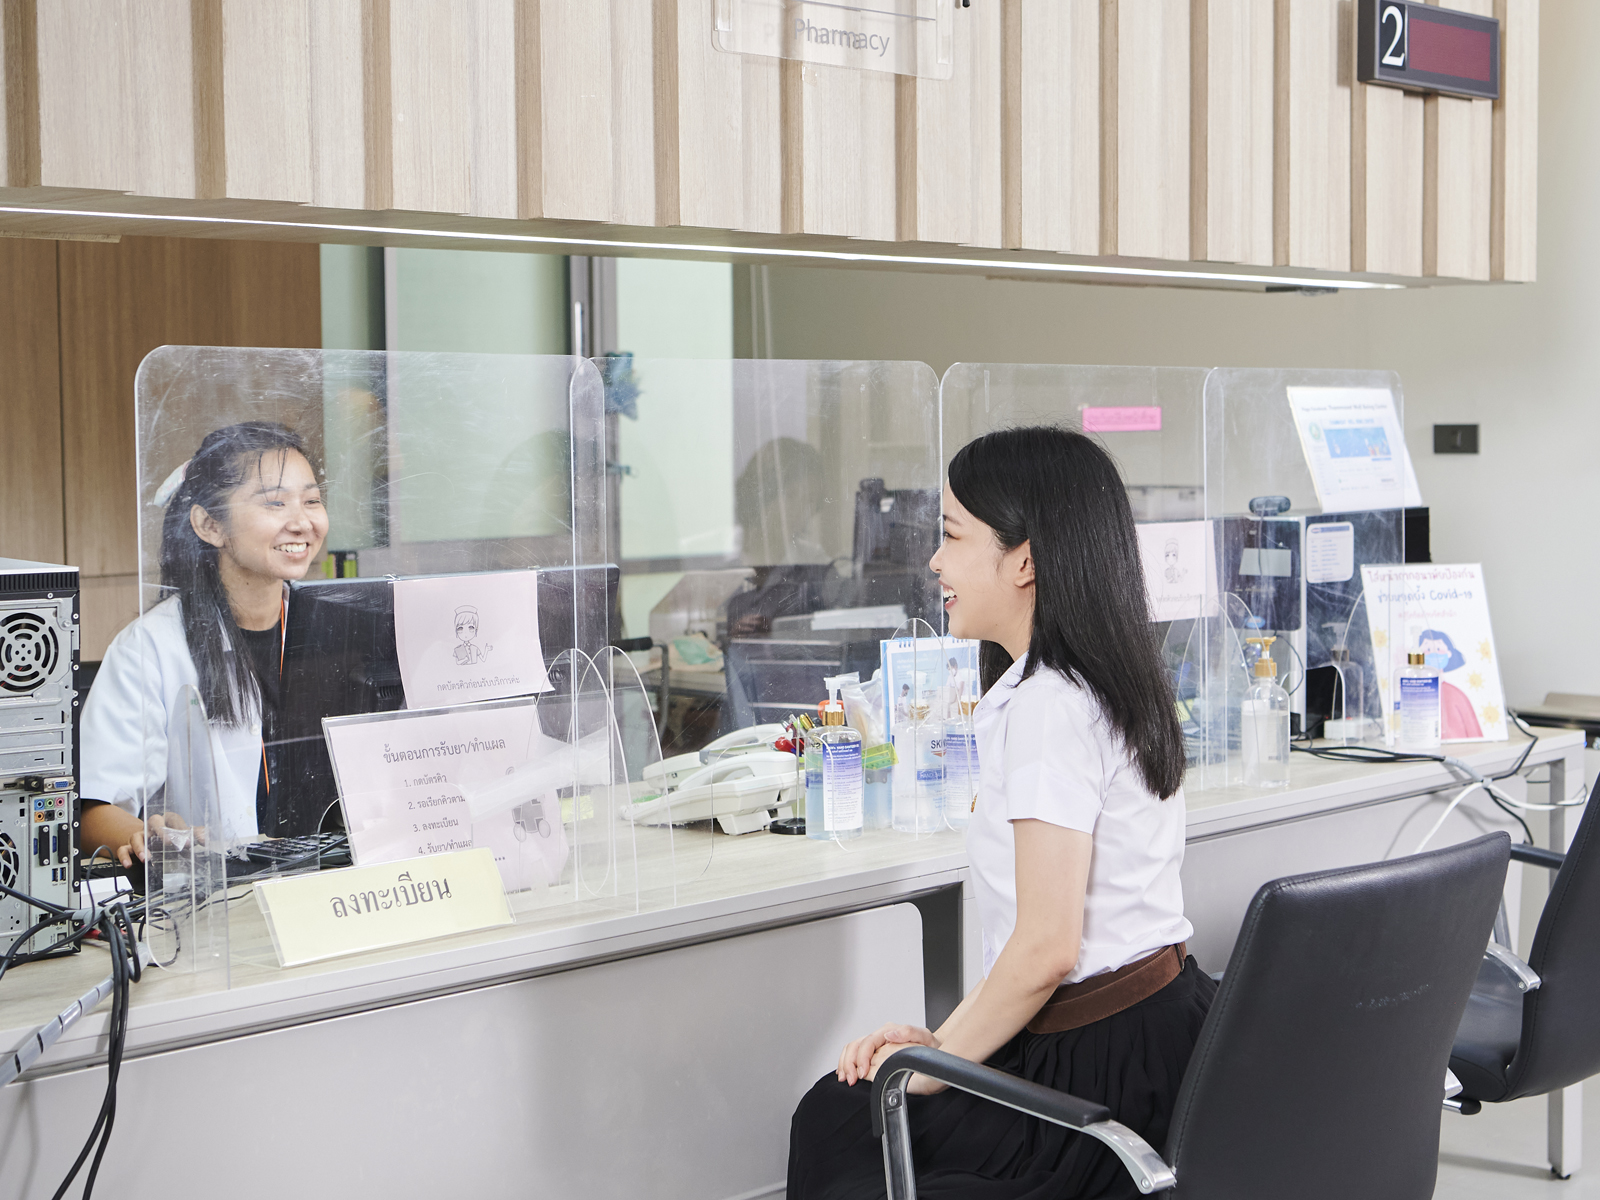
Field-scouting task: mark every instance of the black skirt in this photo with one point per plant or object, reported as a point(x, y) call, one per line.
point(1132, 1062)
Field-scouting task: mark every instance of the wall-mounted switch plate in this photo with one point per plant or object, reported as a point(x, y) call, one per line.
point(1455, 439)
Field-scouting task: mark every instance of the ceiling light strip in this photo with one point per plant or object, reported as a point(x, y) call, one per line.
point(1008, 266)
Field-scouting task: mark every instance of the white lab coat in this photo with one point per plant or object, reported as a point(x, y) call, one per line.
point(123, 731)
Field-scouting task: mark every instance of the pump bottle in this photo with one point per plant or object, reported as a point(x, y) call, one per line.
point(1264, 724)
point(1419, 704)
point(833, 760)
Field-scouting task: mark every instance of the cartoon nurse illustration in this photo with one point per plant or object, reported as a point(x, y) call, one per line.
point(1457, 716)
point(467, 652)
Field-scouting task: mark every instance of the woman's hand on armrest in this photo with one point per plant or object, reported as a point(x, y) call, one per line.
point(860, 1058)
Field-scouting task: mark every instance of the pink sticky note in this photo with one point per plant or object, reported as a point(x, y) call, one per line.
point(1122, 420)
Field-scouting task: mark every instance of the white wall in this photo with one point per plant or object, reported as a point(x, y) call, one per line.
point(1520, 361)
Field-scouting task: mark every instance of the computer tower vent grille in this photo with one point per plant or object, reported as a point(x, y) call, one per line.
point(39, 581)
point(30, 651)
point(10, 861)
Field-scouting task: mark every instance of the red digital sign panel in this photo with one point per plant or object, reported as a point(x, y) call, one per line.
point(1424, 48)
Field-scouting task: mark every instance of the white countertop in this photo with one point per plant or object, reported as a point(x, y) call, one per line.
point(747, 883)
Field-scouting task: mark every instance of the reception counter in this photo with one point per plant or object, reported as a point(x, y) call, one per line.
point(585, 1050)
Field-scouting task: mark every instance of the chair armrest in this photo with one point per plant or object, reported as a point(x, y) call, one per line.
point(1150, 1173)
point(1538, 856)
point(1520, 973)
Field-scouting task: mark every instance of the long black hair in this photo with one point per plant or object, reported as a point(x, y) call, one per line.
point(1060, 492)
point(228, 684)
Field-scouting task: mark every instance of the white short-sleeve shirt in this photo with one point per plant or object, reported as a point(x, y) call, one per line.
point(123, 731)
point(1046, 751)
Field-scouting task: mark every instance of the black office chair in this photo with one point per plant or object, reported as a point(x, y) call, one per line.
point(1321, 1066)
point(1531, 1028)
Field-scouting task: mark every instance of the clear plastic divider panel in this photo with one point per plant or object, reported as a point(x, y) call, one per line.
point(337, 534)
point(1308, 478)
point(773, 522)
point(1152, 421)
point(187, 840)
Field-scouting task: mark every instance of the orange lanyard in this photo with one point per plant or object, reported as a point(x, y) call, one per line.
point(283, 638)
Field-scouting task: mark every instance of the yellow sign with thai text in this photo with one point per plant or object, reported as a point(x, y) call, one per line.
point(327, 914)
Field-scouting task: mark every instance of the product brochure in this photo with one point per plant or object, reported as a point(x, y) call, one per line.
point(1442, 611)
point(933, 671)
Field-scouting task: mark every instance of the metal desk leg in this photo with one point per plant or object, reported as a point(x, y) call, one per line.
point(1565, 1115)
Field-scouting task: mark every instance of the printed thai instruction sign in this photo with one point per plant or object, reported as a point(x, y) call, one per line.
point(1355, 448)
point(1440, 610)
point(401, 779)
point(1180, 569)
point(465, 638)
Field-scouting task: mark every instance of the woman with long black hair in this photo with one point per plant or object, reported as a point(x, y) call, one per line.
point(244, 517)
point(1075, 842)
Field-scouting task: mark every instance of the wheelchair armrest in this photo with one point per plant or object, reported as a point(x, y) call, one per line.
point(1150, 1173)
point(1538, 856)
point(1519, 972)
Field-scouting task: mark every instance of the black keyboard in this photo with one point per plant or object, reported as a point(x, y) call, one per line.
point(324, 849)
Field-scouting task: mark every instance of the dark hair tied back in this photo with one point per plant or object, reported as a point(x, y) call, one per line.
point(228, 685)
point(1059, 491)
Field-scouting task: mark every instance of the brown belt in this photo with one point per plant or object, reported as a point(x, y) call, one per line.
point(1074, 1005)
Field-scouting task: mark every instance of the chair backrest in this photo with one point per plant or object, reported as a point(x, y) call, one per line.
point(1560, 1036)
point(1320, 1069)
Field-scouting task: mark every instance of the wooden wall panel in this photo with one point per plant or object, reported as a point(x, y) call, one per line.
point(1311, 172)
point(718, 153)
point(266, 99)
point(1050, 149)
point(1231, 97)
point(32, 515)
point(1514, 184)
point(117, 303)
point(338, 93)
point(1458, 148)
point(19, 59)
point(948, 133)
point(452, 93)
point(633, 164)
point(838, 151)
point(1386, 181)
point(116, 96)
point(1150, 128)
point(575, 109)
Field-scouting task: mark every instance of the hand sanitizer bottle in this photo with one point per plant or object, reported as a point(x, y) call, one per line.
point(1264, 724)
point(917, 805)
point(839, 812)
point(960, 766)
point(1419, 704)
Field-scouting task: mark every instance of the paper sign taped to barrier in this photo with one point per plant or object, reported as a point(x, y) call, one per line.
point(1180, 569)
point(327, 914)
point(1121, 419)
point(465, 638)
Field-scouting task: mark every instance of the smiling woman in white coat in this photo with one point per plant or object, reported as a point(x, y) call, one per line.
point(244, 518)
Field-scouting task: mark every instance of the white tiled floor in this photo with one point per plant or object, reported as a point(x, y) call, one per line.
point(1500, 1154)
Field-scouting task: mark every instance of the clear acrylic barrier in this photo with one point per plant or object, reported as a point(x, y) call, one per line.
point(780, 516)
point(473, 485)
point(186, 873)
point(1219, 470)
point(1331, 443)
